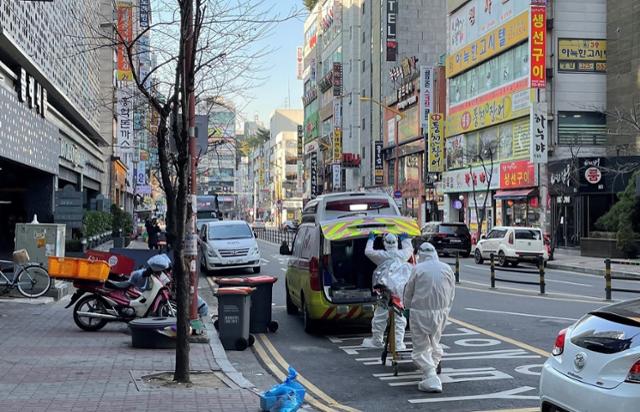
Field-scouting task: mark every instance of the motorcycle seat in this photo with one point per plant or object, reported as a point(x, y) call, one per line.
point(118, 285)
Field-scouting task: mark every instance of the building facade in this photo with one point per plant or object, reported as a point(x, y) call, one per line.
point(54, 130)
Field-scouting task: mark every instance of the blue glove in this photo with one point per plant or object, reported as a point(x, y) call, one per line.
point(403, 236)
point(372, 235)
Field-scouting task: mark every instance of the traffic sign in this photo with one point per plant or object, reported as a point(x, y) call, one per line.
point(397, 194)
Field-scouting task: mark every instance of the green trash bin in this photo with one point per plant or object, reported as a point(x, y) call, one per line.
point(234, 313)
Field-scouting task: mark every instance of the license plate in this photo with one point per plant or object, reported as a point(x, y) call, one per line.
point(455, 241)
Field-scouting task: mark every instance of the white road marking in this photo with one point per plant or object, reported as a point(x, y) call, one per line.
point(477, 342)
point(526, 369)
point(520, 314)
point(573, 297)
point(508, 394)
point(449, 375)
point(263, 260)
point(491, 354)
point(567, 283)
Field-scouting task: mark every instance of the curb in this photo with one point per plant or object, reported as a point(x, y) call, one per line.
point(589, 271)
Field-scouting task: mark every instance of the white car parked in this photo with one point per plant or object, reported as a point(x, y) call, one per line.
point(228, 244)
point(595, 363)
point(510, 244)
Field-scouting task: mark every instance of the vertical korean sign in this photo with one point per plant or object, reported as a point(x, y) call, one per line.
point(299, 63)
point(314, 175)
point(391, 38)
point(379, 165)
point(337, 79)
point(539, 133)
point(426, 95)
point(300, 139)
point(124, 125)
point(124, 14)
point(337, 145)
point(436, 143)
point(337, 176)
point(300, 165)
point(538, 46)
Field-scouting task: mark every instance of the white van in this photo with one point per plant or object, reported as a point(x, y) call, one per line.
point(512, 245)
point(228, 244)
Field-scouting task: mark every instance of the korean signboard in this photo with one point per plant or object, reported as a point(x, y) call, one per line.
point(436, 143)
point(299, 64)
point(337, 113)
point(337, 176)
point(391, 39)
point(465, 180)
point(124, 126)
point(493, 108)
point(124, 15)
point(144, 14)
point(538, 47)
point(491, 44)
point(378, 165)
point(539, 133)
point(337, 145)
point(337, 79)
point(518, 174)
point(426, 95)
point(582, 55)
point(479, 17)
point(300, 141)
point(314, 174)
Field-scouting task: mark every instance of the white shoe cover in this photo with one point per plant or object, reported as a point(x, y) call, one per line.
point(432, 385)
point(401, 346)
point(372, 343)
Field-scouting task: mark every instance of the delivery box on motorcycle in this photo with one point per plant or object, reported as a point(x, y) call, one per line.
point(73, 269)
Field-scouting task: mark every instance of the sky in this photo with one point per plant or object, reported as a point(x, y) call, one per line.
point(280, 66)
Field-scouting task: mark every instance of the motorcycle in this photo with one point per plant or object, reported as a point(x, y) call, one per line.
point(146, 293)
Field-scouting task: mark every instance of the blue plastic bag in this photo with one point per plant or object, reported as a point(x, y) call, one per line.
point(287, 396)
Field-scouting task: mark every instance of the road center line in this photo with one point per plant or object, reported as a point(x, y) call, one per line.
point(519, 314)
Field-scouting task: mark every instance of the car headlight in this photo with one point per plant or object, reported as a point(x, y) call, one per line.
point(212, 252)
point(255, 250)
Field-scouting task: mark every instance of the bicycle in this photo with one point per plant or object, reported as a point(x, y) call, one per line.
point(31, 279)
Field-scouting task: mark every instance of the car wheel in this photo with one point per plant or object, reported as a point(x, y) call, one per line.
point(502, 259)
point(465, 254)
point(310, 325)
point(292, 309)
point(477, 256)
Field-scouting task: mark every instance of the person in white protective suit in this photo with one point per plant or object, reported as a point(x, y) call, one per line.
point(381, 315)
point(429, 296)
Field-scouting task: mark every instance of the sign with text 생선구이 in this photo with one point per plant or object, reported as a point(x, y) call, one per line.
point(538, 47)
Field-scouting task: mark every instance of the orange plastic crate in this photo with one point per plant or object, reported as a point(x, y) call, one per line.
point(78, 269)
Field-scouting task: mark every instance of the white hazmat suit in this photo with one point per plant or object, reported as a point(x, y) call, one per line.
point(391, 255)
point(429, 296)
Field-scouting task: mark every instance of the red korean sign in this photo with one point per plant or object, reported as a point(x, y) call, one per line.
point(518, 174)
point(538, 46)
point(124, 14)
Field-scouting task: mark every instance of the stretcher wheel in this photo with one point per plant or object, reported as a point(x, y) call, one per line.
point(272, 326)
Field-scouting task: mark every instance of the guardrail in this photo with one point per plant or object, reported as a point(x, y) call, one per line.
point(608, 277)
point(276, 236)
point(540, 272)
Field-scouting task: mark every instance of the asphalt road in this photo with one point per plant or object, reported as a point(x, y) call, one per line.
point(495, 344)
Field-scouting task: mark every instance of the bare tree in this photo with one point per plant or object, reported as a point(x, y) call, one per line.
point(201, 48)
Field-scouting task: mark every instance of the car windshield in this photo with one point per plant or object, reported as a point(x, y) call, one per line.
point(230, 231)
point(459, 230)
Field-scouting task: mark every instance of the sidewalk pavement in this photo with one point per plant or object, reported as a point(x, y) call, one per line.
point(48, 364)
point(592, 265)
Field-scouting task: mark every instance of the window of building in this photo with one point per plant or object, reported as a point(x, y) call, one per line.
point(391, 172)
point(363, 124)
point(363, 4)
point(364, 65)
point(582, 128)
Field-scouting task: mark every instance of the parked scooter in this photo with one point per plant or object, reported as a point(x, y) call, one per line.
point(146, 293)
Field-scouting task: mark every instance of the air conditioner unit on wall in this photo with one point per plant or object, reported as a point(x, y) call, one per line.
point(549, 72)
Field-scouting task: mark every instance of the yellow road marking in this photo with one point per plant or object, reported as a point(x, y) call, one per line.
point(501, 337)
point(307, 384)
point(262, 354)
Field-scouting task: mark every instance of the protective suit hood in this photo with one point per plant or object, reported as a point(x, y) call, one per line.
point(390, 242)
point(427, 252)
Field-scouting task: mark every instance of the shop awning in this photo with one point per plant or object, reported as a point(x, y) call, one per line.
point(514, 194)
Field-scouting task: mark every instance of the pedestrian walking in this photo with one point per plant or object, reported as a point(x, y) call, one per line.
point(429, 297)
point(391, 257)
point(153, 230)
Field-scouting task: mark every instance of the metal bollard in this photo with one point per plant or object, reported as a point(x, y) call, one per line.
point(457, 272)
point(541, 269)
point(607, 279)
point(493, 272)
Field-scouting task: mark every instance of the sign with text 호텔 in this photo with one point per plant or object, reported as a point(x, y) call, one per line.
point(491, 44)
point(518, 174)
point(436, 143)
point(391, 40)
point(539, 133)
point(538, 47)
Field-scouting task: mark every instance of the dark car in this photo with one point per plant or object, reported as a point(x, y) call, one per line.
point(447, 238)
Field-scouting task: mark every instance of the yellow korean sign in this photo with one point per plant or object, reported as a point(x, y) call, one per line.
point(499, 109)
point(436, 143)
point(491, 44)
point(582, 55)
point(337, 145)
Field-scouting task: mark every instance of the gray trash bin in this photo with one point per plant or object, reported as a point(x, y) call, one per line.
point(153, 333)
point(234, 317)
point(261, 298)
